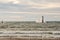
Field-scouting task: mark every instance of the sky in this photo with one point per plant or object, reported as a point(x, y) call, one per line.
point(29, 10)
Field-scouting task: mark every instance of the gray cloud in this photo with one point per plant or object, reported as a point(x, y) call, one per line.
point(46, 1)
point(26, 8)
point(30, 9)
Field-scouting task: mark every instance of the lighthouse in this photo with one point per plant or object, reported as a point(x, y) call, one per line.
point(42, 19)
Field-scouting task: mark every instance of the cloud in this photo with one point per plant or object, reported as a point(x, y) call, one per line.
point(10, 1)
point(14, 2)
point(30, 9)
point(26, 8)
point(35, 3)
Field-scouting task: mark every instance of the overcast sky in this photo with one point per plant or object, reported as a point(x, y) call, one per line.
point(29, 10)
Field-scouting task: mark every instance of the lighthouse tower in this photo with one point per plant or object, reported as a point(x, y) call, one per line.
point(42, 19)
